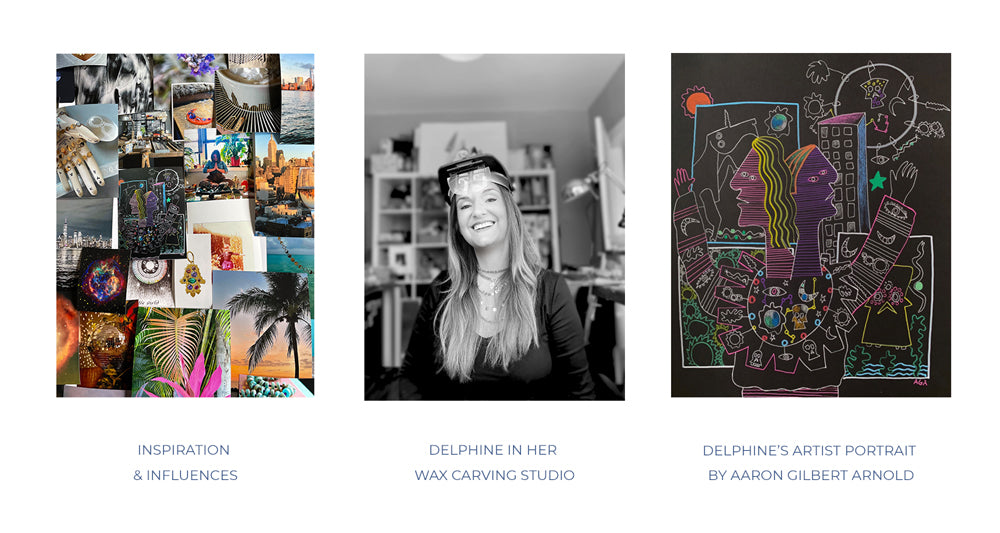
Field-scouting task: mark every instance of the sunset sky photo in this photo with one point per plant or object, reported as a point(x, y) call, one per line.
point(278, 362)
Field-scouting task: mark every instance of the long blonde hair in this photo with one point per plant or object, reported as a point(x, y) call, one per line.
point(457, 316)
point(778, 185)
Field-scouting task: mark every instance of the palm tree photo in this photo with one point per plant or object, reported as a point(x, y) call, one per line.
point(285, 302)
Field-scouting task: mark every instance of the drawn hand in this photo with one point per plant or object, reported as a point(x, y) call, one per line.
point(683, 182)
point(75, 165)
point(902, 181)
point(818, 71)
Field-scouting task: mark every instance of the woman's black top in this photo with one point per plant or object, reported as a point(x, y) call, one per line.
point(556, 369)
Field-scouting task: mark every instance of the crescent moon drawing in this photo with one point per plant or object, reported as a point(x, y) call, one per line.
point(846, 252)
point(886, 240)
point(806, 297)
point(685, 222)
point(893, 102)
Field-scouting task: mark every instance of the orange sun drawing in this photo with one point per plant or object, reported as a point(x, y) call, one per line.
point(693, 97)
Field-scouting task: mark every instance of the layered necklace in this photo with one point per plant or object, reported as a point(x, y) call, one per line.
point(489, 299)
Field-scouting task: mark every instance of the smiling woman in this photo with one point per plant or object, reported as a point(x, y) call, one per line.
point(482, 217)
point(495, 325)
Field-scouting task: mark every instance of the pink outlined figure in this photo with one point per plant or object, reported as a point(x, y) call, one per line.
point(764, 194)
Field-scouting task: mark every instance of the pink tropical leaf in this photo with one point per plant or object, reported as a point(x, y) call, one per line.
point(194, 389)
point(197, 376)
point(213, 383)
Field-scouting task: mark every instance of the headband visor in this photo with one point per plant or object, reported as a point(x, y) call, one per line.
point(457, 177)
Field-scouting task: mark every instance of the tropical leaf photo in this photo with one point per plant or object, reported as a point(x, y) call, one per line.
point(170, 343)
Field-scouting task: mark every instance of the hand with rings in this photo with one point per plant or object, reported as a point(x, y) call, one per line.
point(75, 164)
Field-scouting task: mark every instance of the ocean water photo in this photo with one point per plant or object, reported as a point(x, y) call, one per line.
point(281, 263)
point(296, 117)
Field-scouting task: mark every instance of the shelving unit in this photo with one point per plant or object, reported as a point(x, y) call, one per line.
point(409, 225)
point(410, 221)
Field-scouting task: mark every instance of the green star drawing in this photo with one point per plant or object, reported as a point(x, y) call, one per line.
point(878, 181)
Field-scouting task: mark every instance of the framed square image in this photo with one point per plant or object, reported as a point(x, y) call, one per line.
point(401, 260)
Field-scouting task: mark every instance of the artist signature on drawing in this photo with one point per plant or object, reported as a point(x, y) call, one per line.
point(921, 382)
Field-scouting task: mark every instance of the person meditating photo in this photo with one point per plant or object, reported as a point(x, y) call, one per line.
point(216, 170)
point(495, 325)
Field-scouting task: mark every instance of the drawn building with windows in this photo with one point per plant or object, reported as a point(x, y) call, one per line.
point(842, 141)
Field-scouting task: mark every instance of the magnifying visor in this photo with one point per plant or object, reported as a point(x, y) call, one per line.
point(456, 178)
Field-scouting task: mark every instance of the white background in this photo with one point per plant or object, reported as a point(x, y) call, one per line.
point(339, 463)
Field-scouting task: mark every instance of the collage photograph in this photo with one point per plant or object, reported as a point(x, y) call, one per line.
point(172, 195)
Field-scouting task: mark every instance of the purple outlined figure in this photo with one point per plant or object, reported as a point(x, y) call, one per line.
point(887, 322)
point(813, 176)
point(764, 192)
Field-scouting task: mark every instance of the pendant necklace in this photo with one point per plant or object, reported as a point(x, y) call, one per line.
point(488, 298)
point(192, 280)
point(495, 283)
point(492, 294)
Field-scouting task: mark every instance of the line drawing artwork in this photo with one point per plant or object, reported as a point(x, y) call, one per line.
point(722, 133)
point(805, 245)
point(152, 212)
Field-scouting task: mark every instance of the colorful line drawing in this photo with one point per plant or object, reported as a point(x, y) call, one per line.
point(803, 266)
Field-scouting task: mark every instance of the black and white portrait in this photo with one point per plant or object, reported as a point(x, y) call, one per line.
point(489, 274)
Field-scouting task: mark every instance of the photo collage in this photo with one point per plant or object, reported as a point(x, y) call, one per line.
point(184, 225)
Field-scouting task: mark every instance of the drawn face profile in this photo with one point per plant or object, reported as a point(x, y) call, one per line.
point(814, 177)
point(750, 192)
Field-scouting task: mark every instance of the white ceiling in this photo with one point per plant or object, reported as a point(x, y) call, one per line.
point(525, 82)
